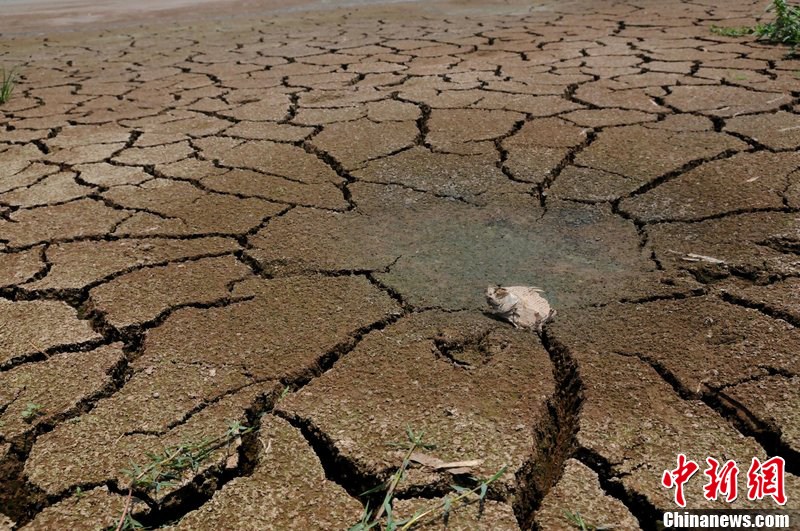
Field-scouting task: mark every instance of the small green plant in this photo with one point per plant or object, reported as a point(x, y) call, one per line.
point(786, 26)
point(785, 29)
point(576, 519)
point(167, 468)
point(31, 411)
point(129, 523)
point(368, 520)
point(284, 393)
point(460, 495)
point(739, 31)
point(7, 81)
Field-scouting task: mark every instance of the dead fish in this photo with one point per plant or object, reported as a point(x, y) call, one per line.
point(522, 306)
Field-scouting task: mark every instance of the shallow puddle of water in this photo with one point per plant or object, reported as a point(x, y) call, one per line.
point(576, 254)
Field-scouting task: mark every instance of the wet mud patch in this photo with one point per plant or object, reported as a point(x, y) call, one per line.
point(441, 253)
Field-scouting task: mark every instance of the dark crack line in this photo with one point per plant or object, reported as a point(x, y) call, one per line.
point(764, 307)
point(638, 505)
point(556, 439)
point(738, 417)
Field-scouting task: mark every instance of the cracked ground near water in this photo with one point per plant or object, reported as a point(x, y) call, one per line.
point(197, 215)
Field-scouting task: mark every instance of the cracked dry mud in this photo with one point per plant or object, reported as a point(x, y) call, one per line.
point(289, 218)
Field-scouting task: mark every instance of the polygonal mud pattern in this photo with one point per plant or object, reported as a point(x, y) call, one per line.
point(81, 218)
point(759, 245)
point(251, 336)
point(287, 490)
point(21, 342)
point(289, 221)
point(725, 101)
point(641, 154)
point(737, 184)
point(76, 265)
point(701, 343)
point(56, 386)
point(620, 387)
point(20, 267)
point(61, 460)
point(777, 131)
point(537, 149)
point(95, 509)
point(778, 299)
point(163, 288)
point(468, 178)
point(457, 377)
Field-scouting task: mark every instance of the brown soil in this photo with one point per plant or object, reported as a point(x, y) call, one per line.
point(285, 214)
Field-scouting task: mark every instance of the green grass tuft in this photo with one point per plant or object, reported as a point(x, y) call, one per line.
point(7, 81)
point(384, 517)
point(732, 31)
point(577, 520)
point(166, 468)
point(31, 411)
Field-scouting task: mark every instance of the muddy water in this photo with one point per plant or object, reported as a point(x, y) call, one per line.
point(576, 254)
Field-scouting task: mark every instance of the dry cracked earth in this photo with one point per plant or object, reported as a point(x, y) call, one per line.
point(289, 219)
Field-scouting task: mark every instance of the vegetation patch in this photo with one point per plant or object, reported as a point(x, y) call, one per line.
point(576, 520)
point(167, 468)
point(785, 29)
point(31, 411)
point(384, 517)
point(7, 81)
